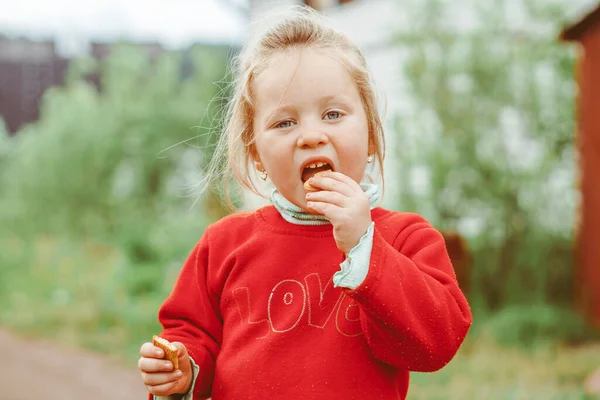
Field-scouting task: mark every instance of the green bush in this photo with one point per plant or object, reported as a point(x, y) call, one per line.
point(95, 197)
point(528, 326)
point(95, 159)
point(494, 149)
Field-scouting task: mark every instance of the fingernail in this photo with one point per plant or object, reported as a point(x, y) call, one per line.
point(310, 204)
point(178, 374)
point(168, 365)
point(308, 195)
point(159, 353)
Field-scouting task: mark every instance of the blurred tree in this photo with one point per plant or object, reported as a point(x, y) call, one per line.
point(495, 122)
point(96, 161)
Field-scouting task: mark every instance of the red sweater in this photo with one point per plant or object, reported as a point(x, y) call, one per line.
point(256, 308)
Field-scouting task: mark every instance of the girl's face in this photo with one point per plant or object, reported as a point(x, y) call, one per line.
point(308, 117)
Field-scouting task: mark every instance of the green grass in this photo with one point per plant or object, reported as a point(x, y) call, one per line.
point(79, 295)
point(484, 369)
point(87, 294)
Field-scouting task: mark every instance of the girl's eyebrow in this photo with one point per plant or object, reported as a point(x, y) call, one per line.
point(322, 100)
point(282, 109)
point(271, 117)
point(335, 97)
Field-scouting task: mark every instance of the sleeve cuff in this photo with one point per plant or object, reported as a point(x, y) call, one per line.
point(189, 395)
point(355, 267)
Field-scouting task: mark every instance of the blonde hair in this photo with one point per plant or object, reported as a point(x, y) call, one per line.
point(303, 28)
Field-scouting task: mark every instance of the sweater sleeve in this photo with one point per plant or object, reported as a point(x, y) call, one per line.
point(413, 314)
point(191, 315)
point(354, 269)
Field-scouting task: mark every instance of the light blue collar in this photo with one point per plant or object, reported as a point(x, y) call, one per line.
point(296, 215)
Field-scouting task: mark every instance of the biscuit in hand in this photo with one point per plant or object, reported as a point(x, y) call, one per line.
point(311, 188)
point(169, 349)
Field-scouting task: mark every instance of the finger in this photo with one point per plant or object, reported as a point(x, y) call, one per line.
point(162, 390)
point(325, 196)
point(160, 378)
point(181, 350)
point(338, 176)
point(154, 365)
point(331, 211)
point(183, 358)
point(332, 185)
point(151, 351)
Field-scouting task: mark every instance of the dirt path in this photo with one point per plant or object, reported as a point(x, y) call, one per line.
point(40, 370)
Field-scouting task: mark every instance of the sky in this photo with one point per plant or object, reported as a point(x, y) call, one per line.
point(174, 23)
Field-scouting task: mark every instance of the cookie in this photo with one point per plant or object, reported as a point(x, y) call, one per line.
point(309, 187)
point(169, 349)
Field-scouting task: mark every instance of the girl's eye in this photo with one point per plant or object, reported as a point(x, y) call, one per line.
point(333, 115)
point(284, 124)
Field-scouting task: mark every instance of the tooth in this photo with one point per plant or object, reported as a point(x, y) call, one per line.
point(313, 165)
point(320, 164)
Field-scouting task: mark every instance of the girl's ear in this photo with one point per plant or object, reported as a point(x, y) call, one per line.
point(371, 147)
point(253, 151)
point(256, 158)
point(258, 165)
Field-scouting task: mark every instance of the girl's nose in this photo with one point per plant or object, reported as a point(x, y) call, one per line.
point(309, 138)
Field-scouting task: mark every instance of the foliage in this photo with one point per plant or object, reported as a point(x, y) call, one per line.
point(495, 119)
point(96, 200)
point(81, 293)
point(529, 326)
point(483, 369)
point(96, 161)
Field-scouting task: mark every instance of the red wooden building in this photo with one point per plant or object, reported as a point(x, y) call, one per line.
point(27, 69)
point(586, 34)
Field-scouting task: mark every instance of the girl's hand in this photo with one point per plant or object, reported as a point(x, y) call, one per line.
point(344, 203)
point(158, 374)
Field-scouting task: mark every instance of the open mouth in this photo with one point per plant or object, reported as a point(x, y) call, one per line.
point(313, 168)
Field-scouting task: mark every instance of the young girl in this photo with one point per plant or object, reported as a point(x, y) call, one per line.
point(320, 295)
